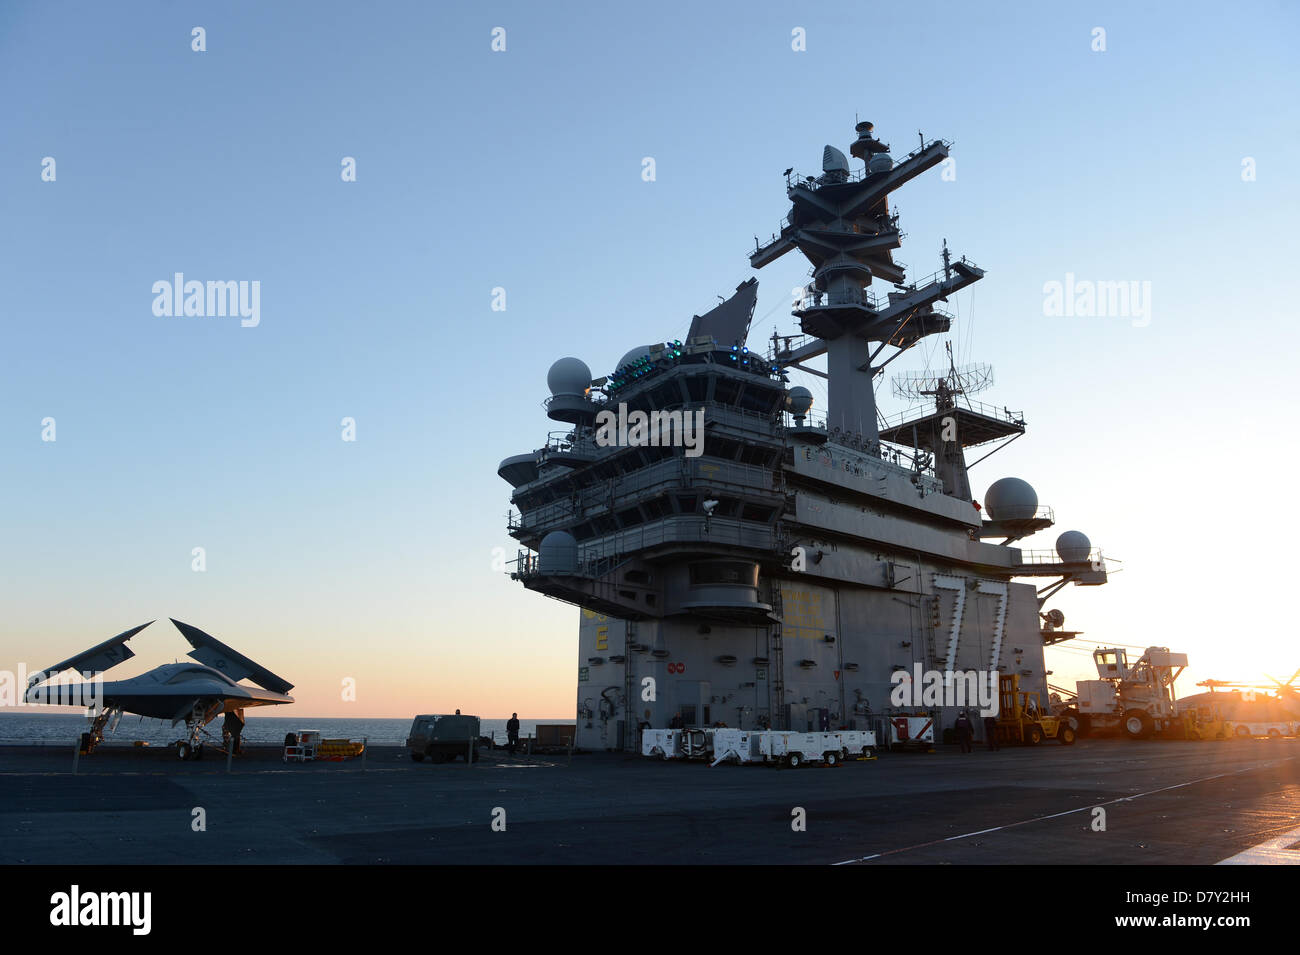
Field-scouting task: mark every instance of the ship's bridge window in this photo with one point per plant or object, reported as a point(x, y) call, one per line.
point(658, 507)
point(630, 518)
point(736, 572)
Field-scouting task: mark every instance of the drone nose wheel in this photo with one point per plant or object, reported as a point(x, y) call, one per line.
point(188, 751)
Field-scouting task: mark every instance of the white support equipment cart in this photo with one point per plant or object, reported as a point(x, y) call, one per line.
point(304, 751)
point(791, 748)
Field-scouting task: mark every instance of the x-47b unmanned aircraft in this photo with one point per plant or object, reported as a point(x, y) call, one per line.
point(192, 693)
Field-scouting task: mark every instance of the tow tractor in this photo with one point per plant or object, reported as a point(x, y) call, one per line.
point(1021, 718)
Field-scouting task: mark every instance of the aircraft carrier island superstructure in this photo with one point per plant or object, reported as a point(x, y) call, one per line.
point(782, 567)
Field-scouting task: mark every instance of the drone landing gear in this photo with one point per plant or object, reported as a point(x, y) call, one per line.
point(186, 750)
point(95, 735)
point(200, 716)
point(191, 748)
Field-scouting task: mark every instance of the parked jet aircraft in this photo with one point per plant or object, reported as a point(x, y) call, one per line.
point(193, 693)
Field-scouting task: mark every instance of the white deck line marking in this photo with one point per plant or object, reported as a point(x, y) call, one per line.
point(1057, 815)
point(1270, 852)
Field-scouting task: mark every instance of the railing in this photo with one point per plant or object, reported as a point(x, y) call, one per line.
point(528, 564)
point(795, 180)
point(789, 344)
point(684, 473)
point(816, 298)
point(937, 276)
point(565, 442)
point(757, 421)
point(686, 529)
point(1003, 414)
point(597, 559)
point(948, 143)
point(941, 312)
point(1038, 557)
point(730, 474)
point(671, 473)
point(1041, 513)
point(715, 412)
point(597, 498)
point(811, 419)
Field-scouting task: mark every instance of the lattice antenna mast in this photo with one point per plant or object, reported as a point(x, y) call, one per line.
point(944, 386)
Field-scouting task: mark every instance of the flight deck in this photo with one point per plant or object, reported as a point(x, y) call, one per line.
point(1182, 803)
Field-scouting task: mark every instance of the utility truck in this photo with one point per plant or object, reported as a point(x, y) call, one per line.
point(1136, 699)
point(443, 738)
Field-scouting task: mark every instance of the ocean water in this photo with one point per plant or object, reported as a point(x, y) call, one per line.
point(59, 729)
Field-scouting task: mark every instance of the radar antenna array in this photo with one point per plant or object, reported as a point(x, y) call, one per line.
point(966, 380)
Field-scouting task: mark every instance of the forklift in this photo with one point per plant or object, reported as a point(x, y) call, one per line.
point(1022, 719)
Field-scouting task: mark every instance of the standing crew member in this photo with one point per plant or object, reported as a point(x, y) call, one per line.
point(964, 731)
point(512, 732)
point(231, 728)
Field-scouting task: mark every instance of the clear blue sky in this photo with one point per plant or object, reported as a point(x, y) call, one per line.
point(522, 169)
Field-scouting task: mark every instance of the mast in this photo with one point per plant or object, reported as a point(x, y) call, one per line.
point(841, 222)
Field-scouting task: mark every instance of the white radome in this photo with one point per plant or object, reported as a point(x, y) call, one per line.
point(558, 553)
point(1011, 499)
point(1073, 546)
point(799, 399)
point(569, 376)
point(880, 162)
